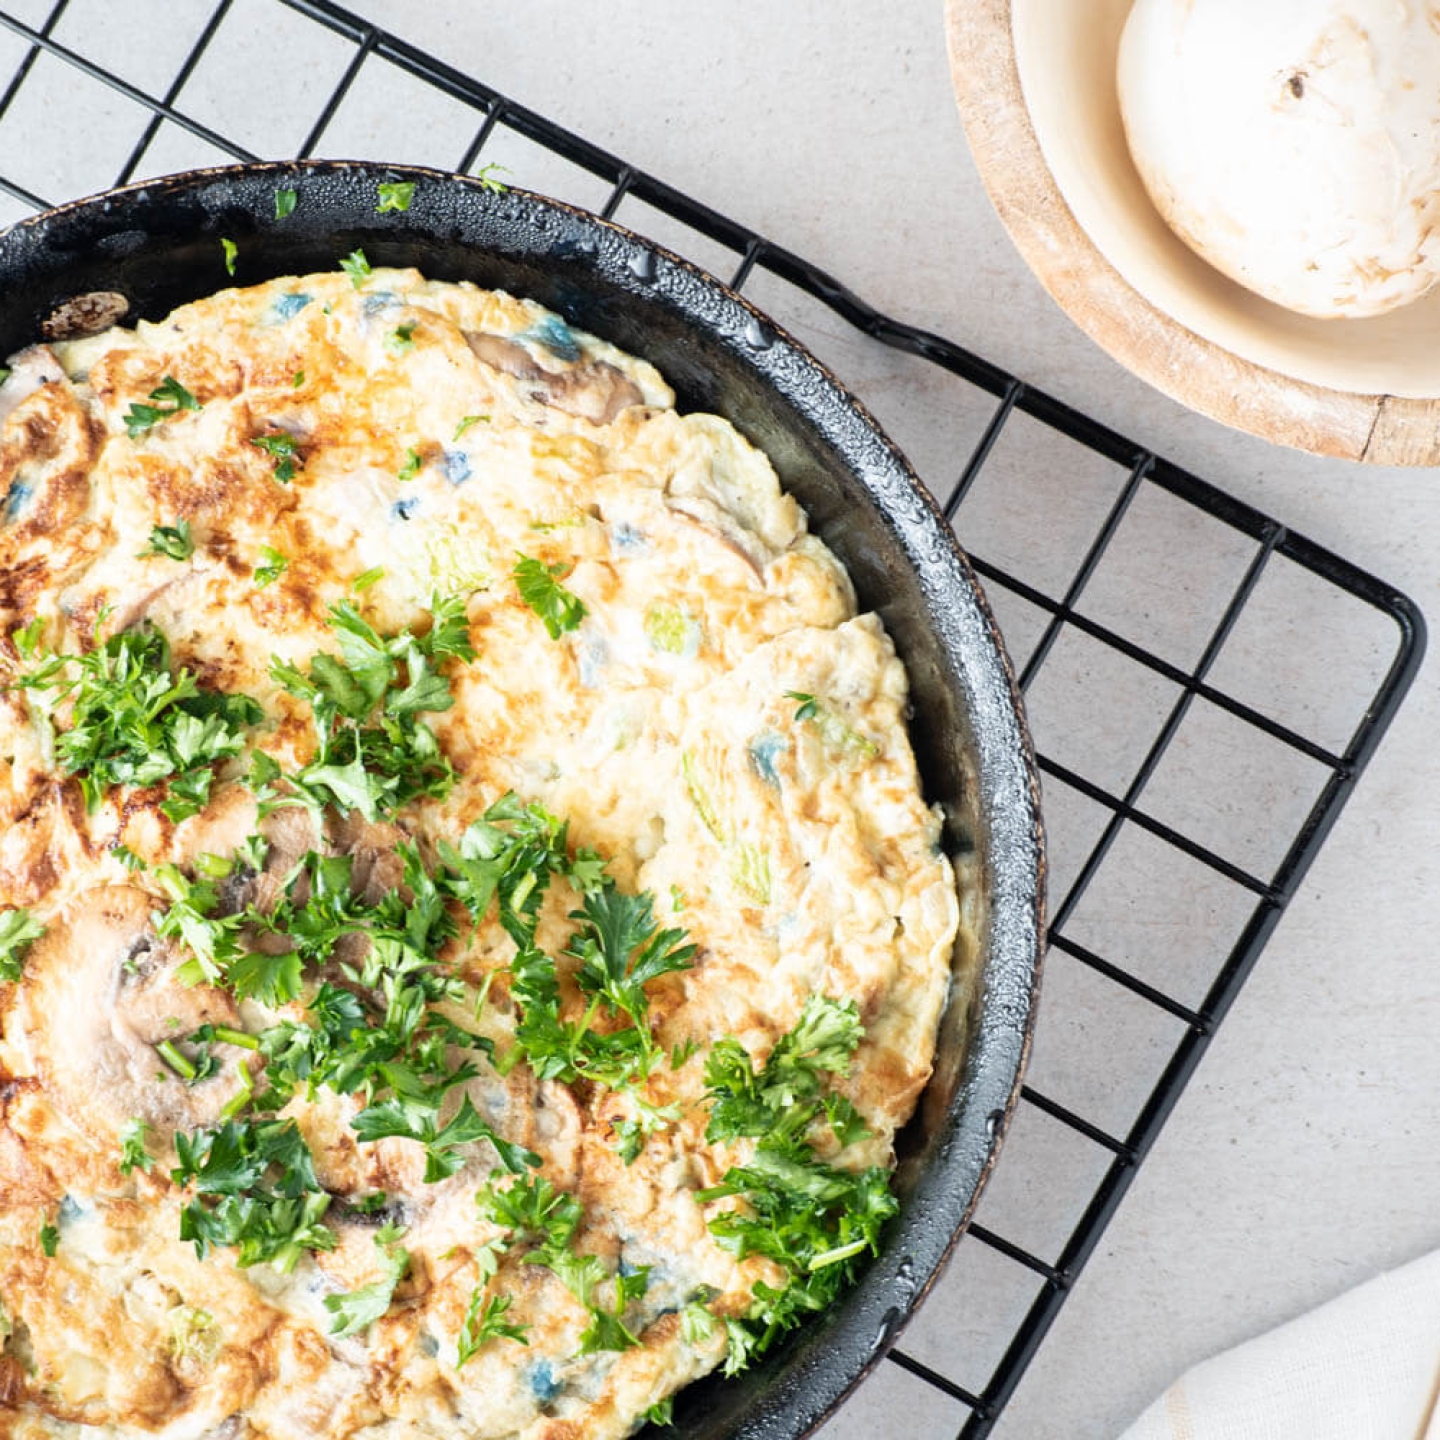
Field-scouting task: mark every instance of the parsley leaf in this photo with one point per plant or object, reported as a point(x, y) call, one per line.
point(274, 567)
point(807, 707)
point(485, 1324)
point(357, 267)
point(133, 1153)
point(607, 1329)
point(49, 1238)
point(835, 733)
point(661, 1413)
point(362, 1307)
point(284, 203)
point(411, 468)
point(394, 195)
point(783, 1098)
point(540, 588)
point(697, 1321)
point(19, 929)
point(466, 423)
point(415, 1119)
point(486, 176)
point(284, 450)
point(368, 761)
point(813, 1219)
point(533, 1211)
point(256, 1189)
point(170, 398)
point(621, 949)
point(211, 940)
point(367, 578)
point(401, 338)
point(172, 541)
point(532, 1208)
point(449, 632)
point(230, 250)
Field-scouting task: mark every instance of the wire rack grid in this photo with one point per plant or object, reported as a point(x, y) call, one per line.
point(1199, 729)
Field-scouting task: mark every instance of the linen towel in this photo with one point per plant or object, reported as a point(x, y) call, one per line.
point(1365, 1366)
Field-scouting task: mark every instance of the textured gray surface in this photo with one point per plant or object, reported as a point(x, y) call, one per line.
point(1301, 1159)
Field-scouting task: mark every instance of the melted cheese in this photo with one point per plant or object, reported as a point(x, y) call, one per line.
point(799, 856)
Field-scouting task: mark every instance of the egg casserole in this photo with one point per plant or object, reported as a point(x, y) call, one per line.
point(469, 924)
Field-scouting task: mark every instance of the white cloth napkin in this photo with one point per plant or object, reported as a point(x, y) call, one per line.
point(1366, 1366)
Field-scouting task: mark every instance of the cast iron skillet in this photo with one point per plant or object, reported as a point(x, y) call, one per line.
point(158, 245)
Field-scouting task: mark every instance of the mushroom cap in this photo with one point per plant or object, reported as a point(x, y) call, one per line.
point(99, 994)
point(1294, 144)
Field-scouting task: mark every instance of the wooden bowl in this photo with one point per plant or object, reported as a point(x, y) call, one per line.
point(1035, 82)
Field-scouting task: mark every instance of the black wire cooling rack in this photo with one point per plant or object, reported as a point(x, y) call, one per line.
point(1205, 686)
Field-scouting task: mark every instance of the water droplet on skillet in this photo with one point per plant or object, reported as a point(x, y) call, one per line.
point(889, 1323)
point(758, 336)
point(642, 266)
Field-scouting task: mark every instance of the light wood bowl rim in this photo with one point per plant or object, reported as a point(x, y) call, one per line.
point(1376, 429)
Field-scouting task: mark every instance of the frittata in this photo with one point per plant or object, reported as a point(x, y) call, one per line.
point(469, 924)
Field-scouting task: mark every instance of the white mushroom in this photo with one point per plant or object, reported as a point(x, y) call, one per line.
point(1294, 144)
point(594, 390)
point(99, 994)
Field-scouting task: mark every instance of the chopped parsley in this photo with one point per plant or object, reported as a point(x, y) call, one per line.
point(787, 1095)
point(540, 588)
point(811, 1218)
point(285, 203)
point(661, 1413)
point(467, 422)
point(360, 1308)
point(807, 707)
point(621, 949)
point(374, 752)
point(255, 1188)
point(284, 450)
point(174, 542)
point(19, 929)
point(411, 468)
point(394, 195)
point(485, 1320)
point(357, 267)
point(486, 176)
point(401, 338)
point(49, 1238)
point(230, 250)
point(366, 578)
point(274, 566)
point(134, 721)
point(170, 398)
point(297, 379)
point(133, 1153)
point(840, 738)
point(533, 1212)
